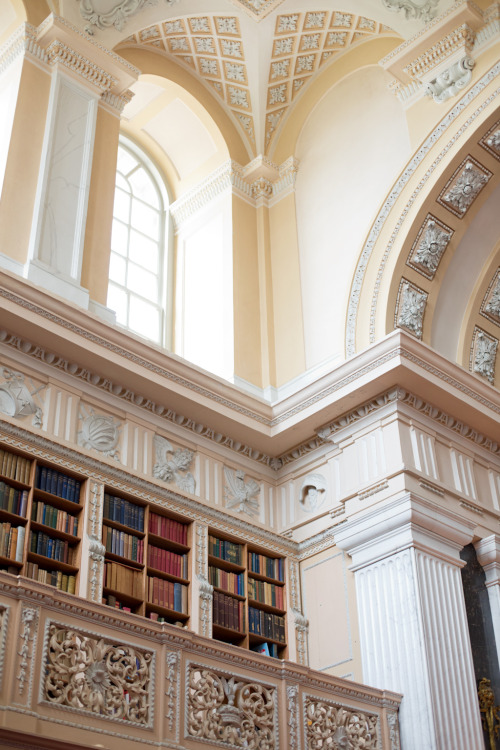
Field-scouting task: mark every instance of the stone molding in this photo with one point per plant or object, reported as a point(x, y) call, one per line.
point(261, 182)
point(488, 555)
point(407, 522)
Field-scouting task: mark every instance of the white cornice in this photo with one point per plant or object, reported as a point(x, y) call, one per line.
point(261, 182)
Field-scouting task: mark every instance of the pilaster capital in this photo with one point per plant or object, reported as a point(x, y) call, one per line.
point(488, 555)
point(408, 522)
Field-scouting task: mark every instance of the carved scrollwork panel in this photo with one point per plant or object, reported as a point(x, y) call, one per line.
point(28, 629)
point(91, 675)
point(230, 712)
point(331, 726)
point(463, 188)
point(410, 308)
point(4, 620)
point(427, 250)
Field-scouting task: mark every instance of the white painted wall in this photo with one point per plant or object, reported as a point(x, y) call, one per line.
point(347, 164)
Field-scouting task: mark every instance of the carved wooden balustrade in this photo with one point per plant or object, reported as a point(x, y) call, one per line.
point(77, 674)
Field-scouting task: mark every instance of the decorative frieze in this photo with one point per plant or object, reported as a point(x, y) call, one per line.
point(483, 354)
point(172, 465)
point(26, 650)
point(172, 692)
point(230, 711)
point(206, 591)
point(461, 38)
point(240, 495)
point(464, 187)
point(4, 621)
point(301, 635)
point(292, 704)
point(113, 681)
point(330, 724)
point(432, 240)
point(410, 308)
point(95, 546)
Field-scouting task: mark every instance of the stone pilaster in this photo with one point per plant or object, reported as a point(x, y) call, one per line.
point(488, 555)
point(413, 626)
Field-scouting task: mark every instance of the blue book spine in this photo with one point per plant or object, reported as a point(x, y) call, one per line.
point(37, 476)
point(64, 488)
point(178, 597)
point(53, 483)
point(43, 478)
point(60, 480)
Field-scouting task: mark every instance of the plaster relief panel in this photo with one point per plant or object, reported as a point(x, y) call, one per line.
point(172, 465)
point(490, 307)
point(20, 397)
point(326, 606)
point(100, 432)
point(491, 141)
point(313, 493)
point(427, 250)
point(464, 187)
point(410, 308)
point(483, 354)
point(240, 494)
point(331, 724)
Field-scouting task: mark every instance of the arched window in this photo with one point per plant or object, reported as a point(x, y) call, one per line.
point(137, 283)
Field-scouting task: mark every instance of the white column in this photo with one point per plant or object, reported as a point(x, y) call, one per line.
point(488, 555)
point(412, 620)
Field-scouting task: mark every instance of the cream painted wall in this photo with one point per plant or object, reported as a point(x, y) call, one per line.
point(347, 163)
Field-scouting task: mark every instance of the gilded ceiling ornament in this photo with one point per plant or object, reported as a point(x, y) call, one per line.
point(241, 495)
point(116, 16)
point(421, 10)
point(411, 307)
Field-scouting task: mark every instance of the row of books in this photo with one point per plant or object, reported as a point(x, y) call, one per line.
point(56, 578)
point(47, 546)
point(228, 612)
point(267, 593)
point(12, 500)
point(112, 601)
point(123, 511)
point(229, 551)
point(268, 649)
point(272, 567)
point(12, 541)
point(123, 544)
point(55, 518)
point(15, 467)
point(232, 582)
point(167, 594)
point(168, 562)
point(175, 531)
point(120, 578)
point(50, 480)
point(266, 624)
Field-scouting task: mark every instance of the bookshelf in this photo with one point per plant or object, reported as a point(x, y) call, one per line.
point(249, 596)
point(146, 560)
point(40, 509)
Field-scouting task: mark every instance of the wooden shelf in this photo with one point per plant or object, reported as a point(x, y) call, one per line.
point(160, 541)
point(122, 527)
point(48, 563)
point(219, 562)
point(166, 612)
point(54, 533)
point(10, 561)
point(129, 601)
point(266, 607)
point(58, 502)
point(260, 577)
point(222, 633)
point(6, 516)
point(230, 593)
point(254, 638)
point(124, 560)
point(154, 572)
point(14, 483)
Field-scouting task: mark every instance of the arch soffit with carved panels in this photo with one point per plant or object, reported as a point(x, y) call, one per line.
point(416, 214)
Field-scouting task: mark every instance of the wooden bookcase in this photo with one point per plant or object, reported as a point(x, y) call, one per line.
point(40, 520)
point(249, 606)
point(146, 559)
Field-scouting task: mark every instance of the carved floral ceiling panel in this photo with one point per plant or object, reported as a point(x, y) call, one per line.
point(213, 47)
point(258, 9)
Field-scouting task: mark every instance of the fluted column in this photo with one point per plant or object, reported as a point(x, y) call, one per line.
point(488, 555)
point(413, 626)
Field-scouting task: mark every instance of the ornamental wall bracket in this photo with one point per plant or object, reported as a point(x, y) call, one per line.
point(116, 14)
point(172, 465)
point(241, 495)
point(451, 81)
point(16, 398)
point(425, 10)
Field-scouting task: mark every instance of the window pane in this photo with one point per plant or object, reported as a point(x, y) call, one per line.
point(119, 238)
point(143, 187)
point(122, 183)
point(126, 162)
point(121, 208)
point(117, 269)
point(142, 282)
point(146, 219)
point(143, 251)
point(117, 301)
point(144, 318)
